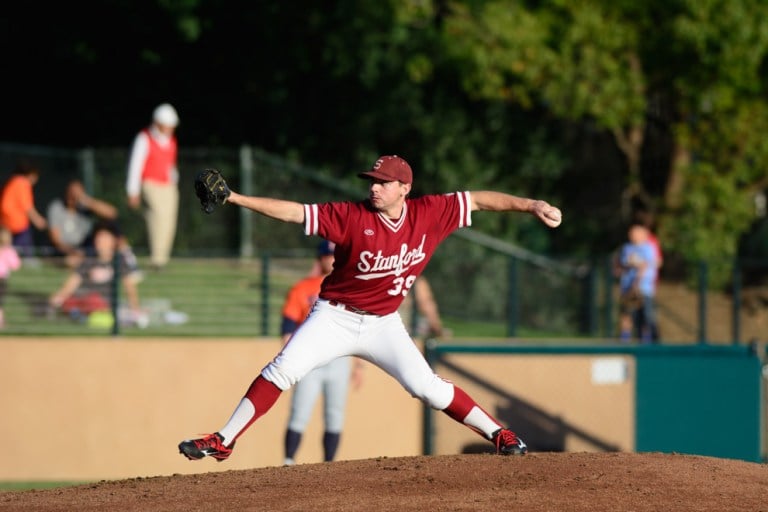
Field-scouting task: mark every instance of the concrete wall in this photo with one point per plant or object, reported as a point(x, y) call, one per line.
point(92, 409)
point(111, 408)
point(572, 403)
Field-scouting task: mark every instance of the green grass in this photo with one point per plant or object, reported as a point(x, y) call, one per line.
point(495, 330)
point(26, 486)
point(221, 297)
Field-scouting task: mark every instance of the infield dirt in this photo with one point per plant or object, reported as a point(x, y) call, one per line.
point(536, 482)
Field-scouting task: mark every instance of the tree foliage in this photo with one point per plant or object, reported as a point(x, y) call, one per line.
point(601, 106)
point(696, 67)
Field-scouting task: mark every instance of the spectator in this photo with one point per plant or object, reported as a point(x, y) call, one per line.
point(9, 261)
point(153, 177)
point(646, 219)
point(332, 380)
point(71, 220)
point(636, 265)
point(88, 288)
point(17, 207)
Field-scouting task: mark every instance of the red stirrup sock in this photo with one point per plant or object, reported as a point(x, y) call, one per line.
point(460, 408)
point(263, 395)
point(460, 405)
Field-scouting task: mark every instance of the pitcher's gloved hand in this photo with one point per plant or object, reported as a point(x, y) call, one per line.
point(211, 189)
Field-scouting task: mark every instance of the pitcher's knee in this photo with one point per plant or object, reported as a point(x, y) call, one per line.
point(279, 377)
point(434, 392)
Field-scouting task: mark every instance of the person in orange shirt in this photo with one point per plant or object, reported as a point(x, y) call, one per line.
point(17, 207)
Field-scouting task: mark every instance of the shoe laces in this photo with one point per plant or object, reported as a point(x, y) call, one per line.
point(505, 437)
point(210, 441)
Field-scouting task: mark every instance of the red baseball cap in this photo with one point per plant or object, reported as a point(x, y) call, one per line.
point(390, 168)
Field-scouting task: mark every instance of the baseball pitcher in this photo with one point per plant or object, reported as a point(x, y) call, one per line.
point(382, 245)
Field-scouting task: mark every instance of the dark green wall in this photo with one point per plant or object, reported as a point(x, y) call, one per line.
point(704, 402)
point(692, 399)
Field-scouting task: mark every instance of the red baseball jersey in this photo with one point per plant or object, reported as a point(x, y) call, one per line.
point(377, 258)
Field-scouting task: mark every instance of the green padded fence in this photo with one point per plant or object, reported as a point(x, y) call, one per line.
point(695, 399)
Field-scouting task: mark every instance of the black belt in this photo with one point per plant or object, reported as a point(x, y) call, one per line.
point(350, 308)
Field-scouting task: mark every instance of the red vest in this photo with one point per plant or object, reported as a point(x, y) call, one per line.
point(160, 161)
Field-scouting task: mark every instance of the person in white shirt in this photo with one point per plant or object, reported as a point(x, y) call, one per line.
point(153, 178)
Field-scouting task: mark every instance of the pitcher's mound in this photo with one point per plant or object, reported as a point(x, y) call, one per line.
point(591, 482)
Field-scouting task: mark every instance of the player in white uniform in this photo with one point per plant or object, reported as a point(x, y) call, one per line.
point(382, 245)
point(332, 381)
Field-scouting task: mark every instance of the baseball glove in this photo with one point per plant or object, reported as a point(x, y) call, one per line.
point(211, 189)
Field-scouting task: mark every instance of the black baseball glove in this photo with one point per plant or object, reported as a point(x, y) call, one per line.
point(211, 189)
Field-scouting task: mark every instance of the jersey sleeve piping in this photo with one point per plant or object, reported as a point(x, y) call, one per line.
point(465, 209)
point(311, 222)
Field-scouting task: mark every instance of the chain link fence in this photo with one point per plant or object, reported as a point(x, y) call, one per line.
point(232, 268)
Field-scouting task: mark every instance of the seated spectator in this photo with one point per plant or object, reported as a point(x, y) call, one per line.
point(88, 288)
point(70, 224)
point(9, 262)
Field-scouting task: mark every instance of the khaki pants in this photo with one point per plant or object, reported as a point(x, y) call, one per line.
point(161, 213)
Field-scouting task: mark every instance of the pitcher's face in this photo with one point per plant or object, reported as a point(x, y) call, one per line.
point(386, 196)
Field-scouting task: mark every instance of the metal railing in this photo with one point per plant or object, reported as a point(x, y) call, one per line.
point(483, 285)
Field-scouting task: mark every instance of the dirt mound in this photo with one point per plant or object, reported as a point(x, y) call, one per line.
point(536, 482)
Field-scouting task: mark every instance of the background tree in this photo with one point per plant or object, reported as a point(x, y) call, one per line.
point(721, 153)
point(692, 69)
point(603, 106)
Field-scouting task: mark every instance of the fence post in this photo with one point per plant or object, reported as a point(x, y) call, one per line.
point(608, 313)
point(246, 188)
point(512, 296)
point(427, 440)
point(736, 302)
point(590, 301)
point(265, 294)
point(703, 302)
point(115, 293)
point(88, 169)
